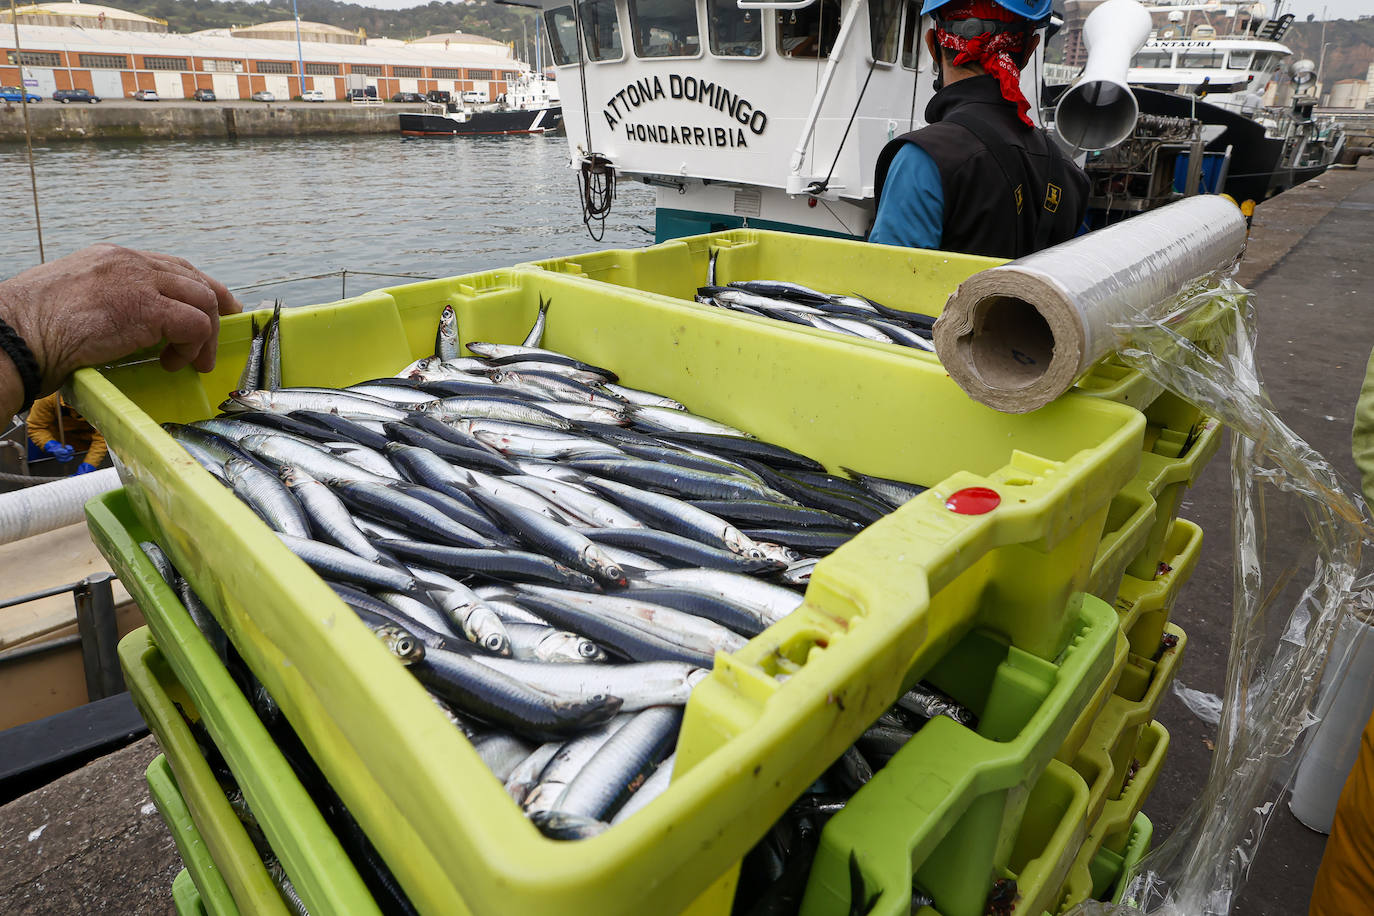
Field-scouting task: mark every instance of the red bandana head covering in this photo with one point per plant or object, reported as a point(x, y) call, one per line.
point(991, 50)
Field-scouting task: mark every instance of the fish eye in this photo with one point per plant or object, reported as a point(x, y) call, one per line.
point(494, 641)
point(588, 650)
point(404, 646)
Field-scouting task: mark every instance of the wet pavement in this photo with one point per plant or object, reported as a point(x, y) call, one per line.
point(91, 842)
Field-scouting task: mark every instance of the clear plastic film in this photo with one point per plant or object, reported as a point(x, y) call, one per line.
point(1298, 537)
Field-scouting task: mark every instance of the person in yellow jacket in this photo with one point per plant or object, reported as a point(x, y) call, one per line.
point(73, 435)
point(1345, 881)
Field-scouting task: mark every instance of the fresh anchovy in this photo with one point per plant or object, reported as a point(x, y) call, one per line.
point(404, 646)
point(164, 566)
point(688, 458)
point(558, 541)
point(559, 825)
point(495, 351)
point(394, 507)
point(741, 446)
point(781, 289)
point(628, 560)
point(375, 612)
point(622, 763)
point(639, 685)
point(236, 427)
point(333, 428)
point(466, 611)
point(772, 601)
point(772, 513)
point(449, 409)
point(524, 441)
point(396, 395)
point(729, 298)
point(681, 421)
point(799, 573)
point(476, 456)
point(813, 541)
point(626, 636)
point(536, 335)
point(290, 896)
point(375, 529)
point(676, 479)
point(682, 549)
point(251, 379)
point(539, 366)
point(567, 762)
point(502, 753)
point(202, 617)
point(587, 413)
point(505, 490)
point(903, 336)
point(446, 336)
point(503, 565)
point(278, 450)
point(642, 398)
point(473, 687)
point(525, 776)
point(928, 704)
point(286, 400)
point(652, 788)
point(711, 256)
point(335, 563)
point(271, 350)
point(686, 630)
point(535, 642)
point(549, 470)
point(676, 516)
point(824, 491)
point(739, 618)
point(859, 328)
point(267, 496)
point(365, 458)
point(545, 385)
point(218, 447)
point(574, 501)
point(458, 506)
point(206, 460)
point(893, 492)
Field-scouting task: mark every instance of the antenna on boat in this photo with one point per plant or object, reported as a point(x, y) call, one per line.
point(28, 132)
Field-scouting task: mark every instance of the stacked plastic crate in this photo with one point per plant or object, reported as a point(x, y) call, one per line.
point(988, 607)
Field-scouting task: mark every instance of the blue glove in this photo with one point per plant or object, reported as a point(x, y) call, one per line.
point(84, 468)
point(63, 453)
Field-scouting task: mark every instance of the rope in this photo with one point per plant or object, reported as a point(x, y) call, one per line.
point(23, 480)
point(818, 187)
point(596, 178)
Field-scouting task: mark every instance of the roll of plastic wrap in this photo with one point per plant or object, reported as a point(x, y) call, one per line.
point(1016, 337)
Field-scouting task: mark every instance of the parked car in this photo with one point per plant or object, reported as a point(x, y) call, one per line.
point(75, 95)
point(471, 96)
point(15, 94)
point(204, 95)
point(439, 96)
point(313, 95)
point(407, 97)
point(264, 96)
point(146, 95)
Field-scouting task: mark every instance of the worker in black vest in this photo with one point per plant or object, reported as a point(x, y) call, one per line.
point(981, 178)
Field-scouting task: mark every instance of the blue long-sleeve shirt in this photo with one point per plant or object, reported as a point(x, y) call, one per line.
point(912, 210)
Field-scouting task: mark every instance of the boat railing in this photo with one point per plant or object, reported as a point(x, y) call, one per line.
point(342, 273)
point(97, 632)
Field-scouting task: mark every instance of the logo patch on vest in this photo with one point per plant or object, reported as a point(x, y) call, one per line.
point(1020, 198)
point(1052, 195)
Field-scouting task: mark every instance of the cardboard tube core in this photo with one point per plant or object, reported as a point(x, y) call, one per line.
point(1010, 345)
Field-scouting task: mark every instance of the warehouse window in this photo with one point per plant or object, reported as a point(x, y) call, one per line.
point(222, 66)
point(272, 66)
point(322, 69)
point(734, 32)
point(407, 73)
point(366, 69)
point(563, 35)
point(509, 75)
point(479, 74)
point(165, 63)
point(104, 61)
point(36, 58)
point(665, 29)
point(445, 73)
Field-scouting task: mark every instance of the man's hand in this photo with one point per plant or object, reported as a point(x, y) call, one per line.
point(104, 302)
point(84, 468)
point(63, 453)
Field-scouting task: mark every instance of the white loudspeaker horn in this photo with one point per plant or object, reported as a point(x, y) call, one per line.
point(1099, 111)
point(1303, 71)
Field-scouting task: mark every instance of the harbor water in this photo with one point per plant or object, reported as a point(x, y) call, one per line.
point(250, 211)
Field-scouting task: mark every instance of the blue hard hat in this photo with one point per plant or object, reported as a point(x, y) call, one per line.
point(1034, 10)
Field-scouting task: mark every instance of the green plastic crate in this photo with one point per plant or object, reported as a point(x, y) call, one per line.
point(878, 612)
point(1147, 606)
point(911, 279)
point(948, 807)
point(1176, 453)
point(200, 870)
point(1129, 520)
point(186, 896)
point(157, 695)
point(1137, 847)
point(317, 865)
point(1114, 833)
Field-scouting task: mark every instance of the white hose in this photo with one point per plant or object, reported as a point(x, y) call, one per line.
point(35, 510)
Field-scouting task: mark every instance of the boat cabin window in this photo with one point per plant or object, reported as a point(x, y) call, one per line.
point(601, 29)
point(884, 17)
point(1154, 59)
point(734, 32)
point(809, 32)
point(562, 35)
point(1264, 63)
point(912, 36)
point(1201, 60)
point(1239, 60)
point(665, 28)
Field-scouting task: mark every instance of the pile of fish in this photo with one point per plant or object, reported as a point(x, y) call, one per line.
point(556, 557)
point(855, 316)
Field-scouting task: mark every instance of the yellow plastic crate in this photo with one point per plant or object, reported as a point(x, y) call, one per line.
point(200, 870)
point(1147, 606)
point(1129, 520)
point(878, 612)
point(186, 896)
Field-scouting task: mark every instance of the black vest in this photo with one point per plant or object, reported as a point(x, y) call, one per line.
point(1008, 189)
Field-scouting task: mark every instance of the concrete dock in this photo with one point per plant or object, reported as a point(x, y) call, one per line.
point(101, 848)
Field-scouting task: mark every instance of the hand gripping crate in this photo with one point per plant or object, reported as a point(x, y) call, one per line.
point(878, 612)
point(200, 870)
point(183, 666)
point(157, 695)
point(948, 808)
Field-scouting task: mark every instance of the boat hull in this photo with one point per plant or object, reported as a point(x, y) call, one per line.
point(536, 121)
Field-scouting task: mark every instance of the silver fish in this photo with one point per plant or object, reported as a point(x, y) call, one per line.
point(536, 334)
point(446, 337)
point(267, 496)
